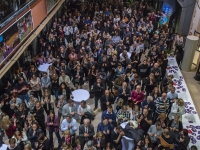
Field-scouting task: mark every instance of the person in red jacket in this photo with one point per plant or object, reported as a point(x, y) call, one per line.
point(137, 96)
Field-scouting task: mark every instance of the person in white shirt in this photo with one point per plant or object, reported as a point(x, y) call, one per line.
point(83, 107)
point(67, 32)
point(69, 124)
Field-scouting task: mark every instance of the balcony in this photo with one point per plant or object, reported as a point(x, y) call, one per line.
point(10, 9)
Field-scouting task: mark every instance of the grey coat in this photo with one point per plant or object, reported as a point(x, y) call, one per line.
point(66, 111)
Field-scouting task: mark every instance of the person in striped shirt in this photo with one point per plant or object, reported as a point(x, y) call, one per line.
point(162, 105)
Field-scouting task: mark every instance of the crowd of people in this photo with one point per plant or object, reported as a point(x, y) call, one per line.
point(119, 50)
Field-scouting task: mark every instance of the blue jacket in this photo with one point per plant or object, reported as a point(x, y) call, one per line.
point(151, 105)
point(101, 126)
point(109, 116)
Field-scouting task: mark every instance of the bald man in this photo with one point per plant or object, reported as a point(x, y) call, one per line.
point(162, 105)
point(86, 132)
point(106, 99)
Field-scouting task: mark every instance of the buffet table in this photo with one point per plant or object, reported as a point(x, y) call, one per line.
point(190, 119)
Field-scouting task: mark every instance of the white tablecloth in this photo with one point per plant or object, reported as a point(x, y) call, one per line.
point(80, 95)
point(44, 67)
point(127, 143)
point(190, 119)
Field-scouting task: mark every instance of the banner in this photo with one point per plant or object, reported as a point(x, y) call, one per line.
point(50, 4)
point(13, 35)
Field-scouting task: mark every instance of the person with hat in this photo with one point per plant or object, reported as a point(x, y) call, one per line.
point(70, 124)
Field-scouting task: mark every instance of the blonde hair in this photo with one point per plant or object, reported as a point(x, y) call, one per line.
point(100, 133)
point(162, 116)
point(28, 146)
point(66, 132)
point(181, 101)
point(5, 122)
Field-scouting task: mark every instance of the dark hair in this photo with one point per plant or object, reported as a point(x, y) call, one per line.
point(193, 147)
point(83, 102)
point(185, 132)
point(52, 111)
point(118, 127)
point(109, 106)
point(104, 118)
point(41, 137)
point(158, 123)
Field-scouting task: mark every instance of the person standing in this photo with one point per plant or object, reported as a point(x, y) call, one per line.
point(53, 126)
point(86, 132)
point(98, 89)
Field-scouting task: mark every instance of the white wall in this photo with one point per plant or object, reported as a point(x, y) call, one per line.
point(195, 24)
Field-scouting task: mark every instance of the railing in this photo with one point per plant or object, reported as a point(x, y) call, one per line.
point(14, 14)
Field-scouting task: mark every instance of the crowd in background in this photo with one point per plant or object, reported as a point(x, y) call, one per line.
point(119, 50)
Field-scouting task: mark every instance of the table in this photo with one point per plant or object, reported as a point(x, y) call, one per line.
point(190, 119)
point(127, 143)
point(44, 67)
point(79, 95)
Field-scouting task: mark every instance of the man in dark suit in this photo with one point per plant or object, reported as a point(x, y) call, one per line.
point(124, 92)
point(86, 132)
point(106, 99)
point(98, 89)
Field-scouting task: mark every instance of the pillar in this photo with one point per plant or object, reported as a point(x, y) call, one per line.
point(189, 51)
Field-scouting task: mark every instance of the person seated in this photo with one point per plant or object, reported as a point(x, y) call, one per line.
point(84, 110)
point(124, 92)
point(43, 142)
point(106, 99)
point(99, 140)
point(149, 104)
point(106, 127)
point(175, 126)
point(69, 109)
point(146, 143)
point(69, 124)
point(182, 140)
point(154, 132)
point(123, 115)
point(162, 118)
point(20, 137)
point(109, 113)
point(89, 146)
point(132, 131)
point(13, 145)
point(145, 120)
point(165, 141)
point(116, 136)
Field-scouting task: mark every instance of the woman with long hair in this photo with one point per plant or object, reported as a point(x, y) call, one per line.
point(9, 126)
point(53, 126)
point(35, 84)
point(55, 85)
point(33, 133)
point(21, 114)
point(155, 93)
point(99, 141)
point(47, 102)
point(39, 116)
point(29, 122)
point(20, 137)
point(92, 73)
point(65, 91)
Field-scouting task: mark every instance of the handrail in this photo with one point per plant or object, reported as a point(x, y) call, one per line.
point(14, 14)
point(34, 34)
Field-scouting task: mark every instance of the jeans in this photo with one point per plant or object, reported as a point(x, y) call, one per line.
point(55, 92)
point(24, 97)
point(96, 99)
point(51, 136)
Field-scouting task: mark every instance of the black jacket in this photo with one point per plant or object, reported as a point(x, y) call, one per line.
point(110, 99)
point(98, 91)
point(143, 71)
